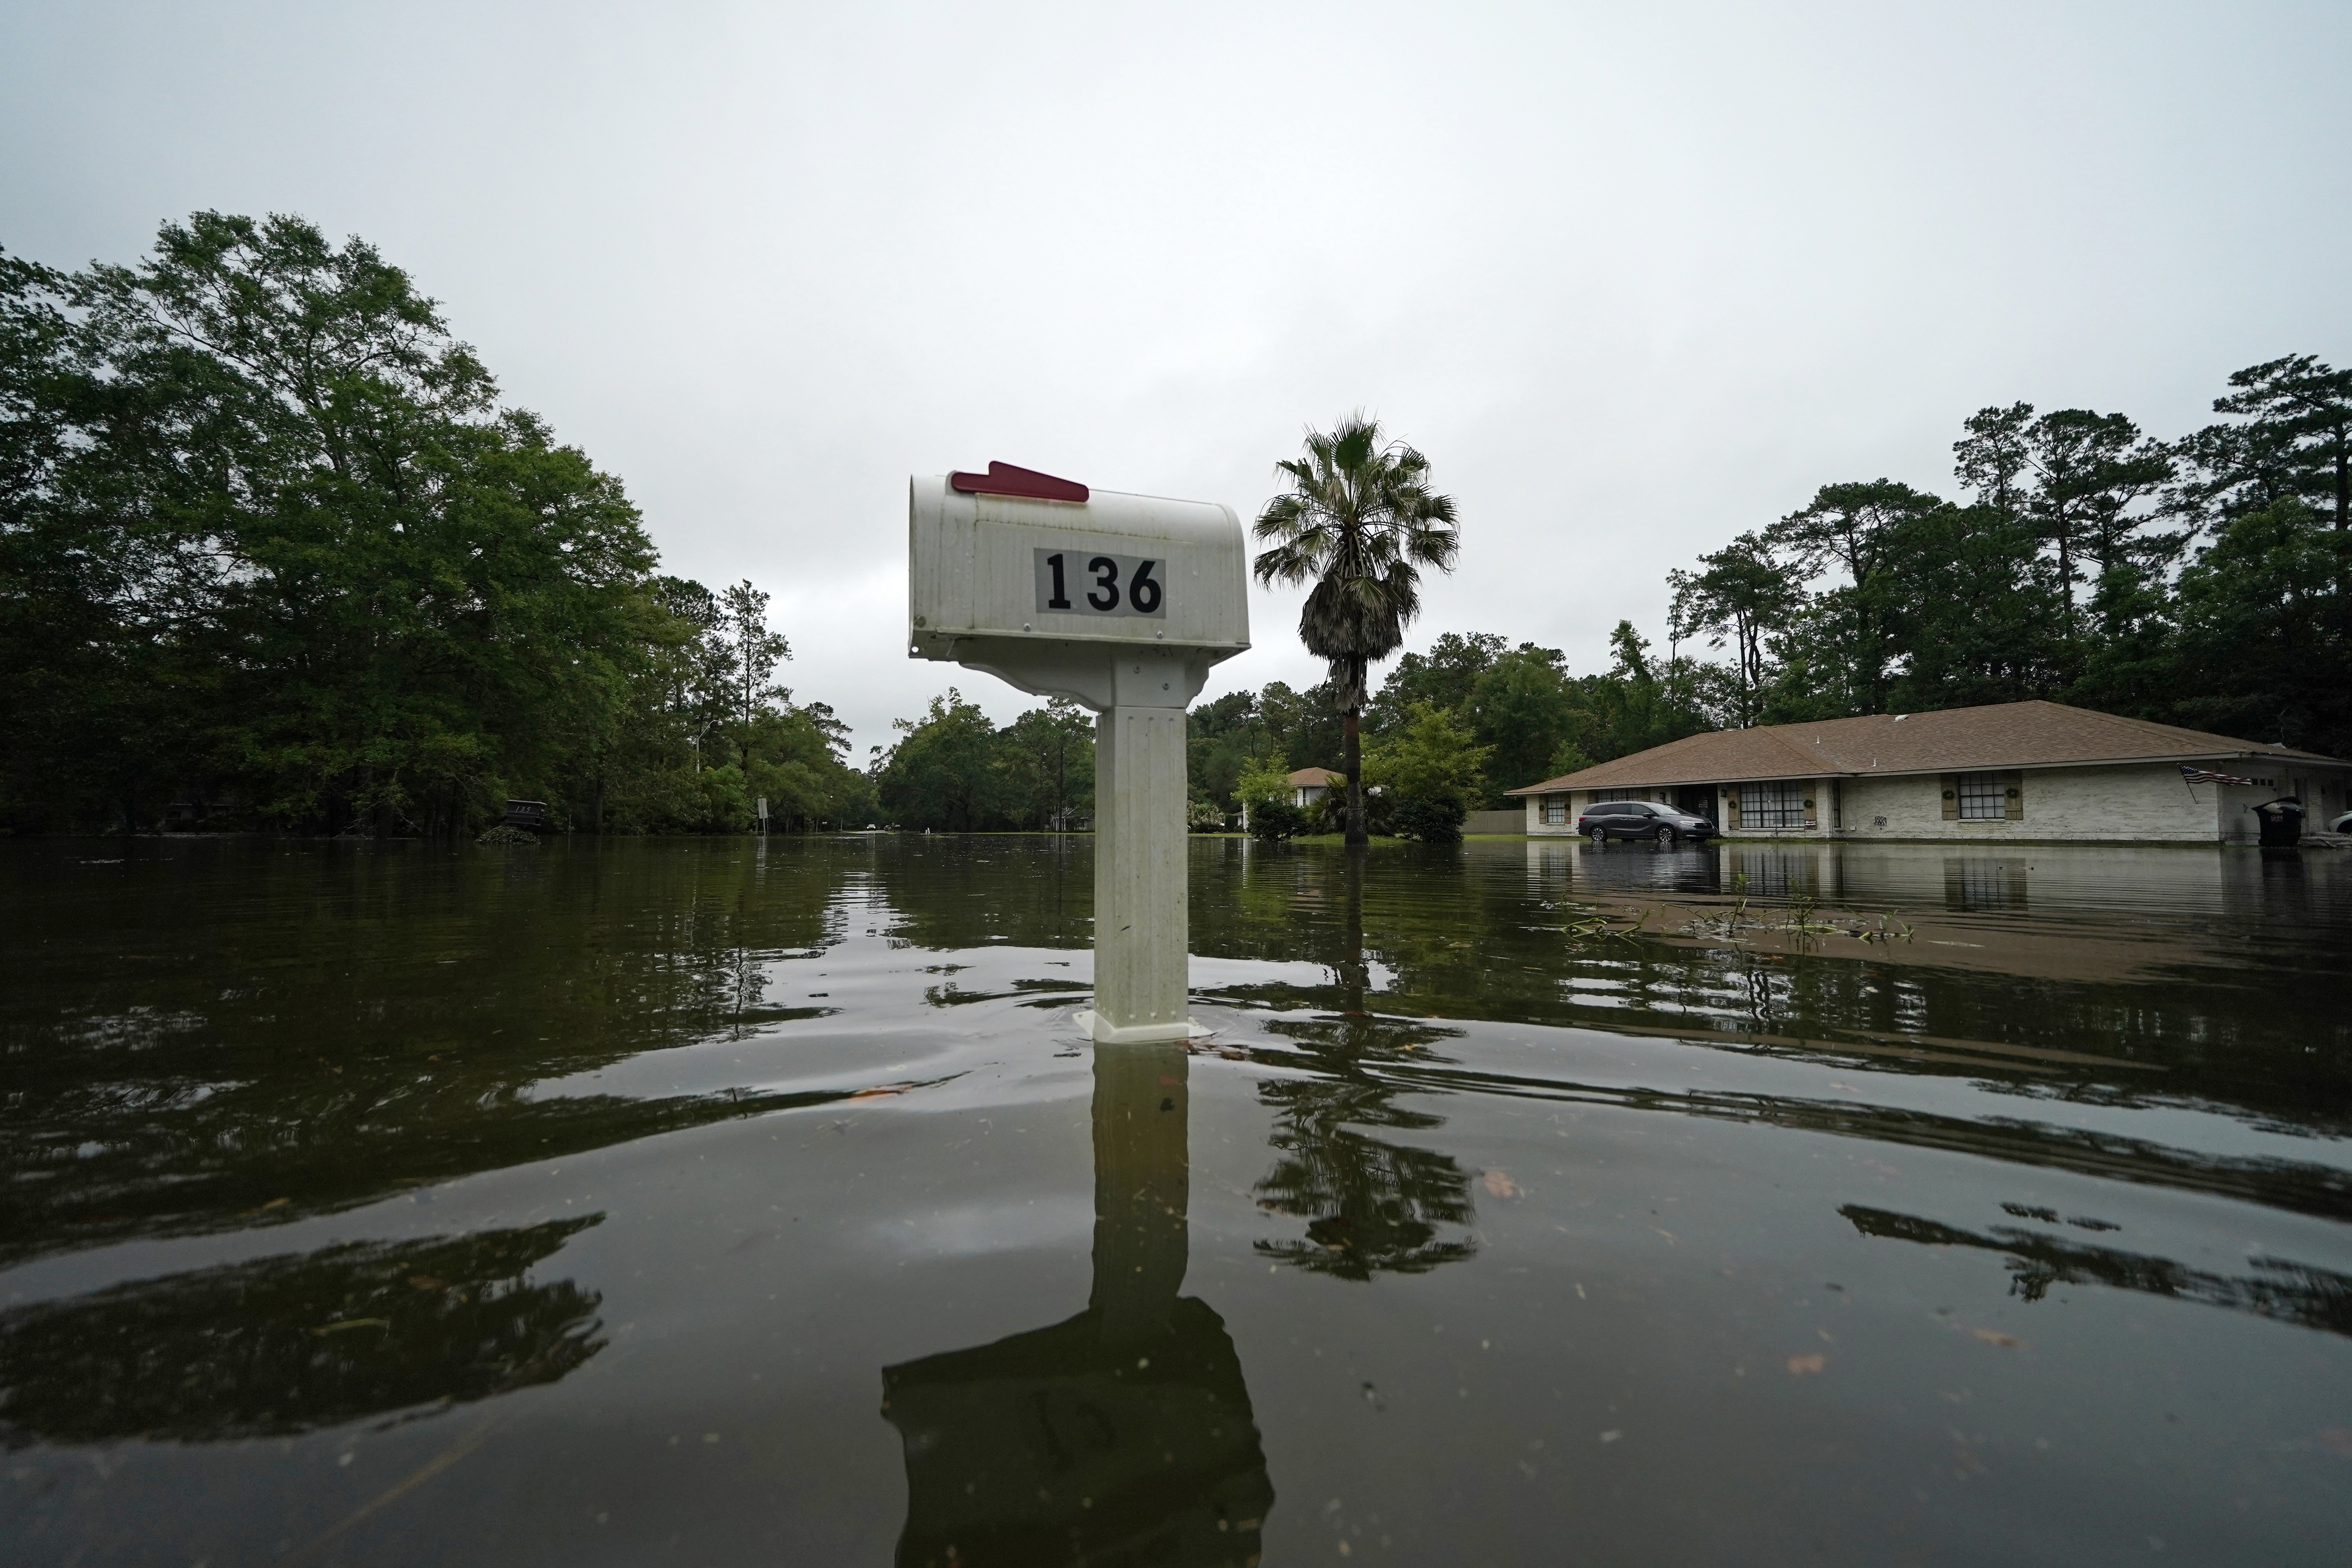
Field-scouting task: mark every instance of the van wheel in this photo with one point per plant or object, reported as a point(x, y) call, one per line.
point(1665, 838)
point(1600, 835)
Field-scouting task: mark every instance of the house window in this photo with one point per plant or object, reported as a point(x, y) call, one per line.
point(1981, 798)
point(1772, 806)
point(1555, 811)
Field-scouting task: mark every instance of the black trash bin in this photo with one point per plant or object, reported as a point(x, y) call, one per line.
point(2282, 822)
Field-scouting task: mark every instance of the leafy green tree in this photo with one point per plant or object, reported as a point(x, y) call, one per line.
point(1522, 707)
point(2305, 409)
point(1741, 595)
point(1974, 620)
point(1432, 769)
point(2296, 441)
point(1047, 758)
point(692, 685)
point(2090, 471)
point(273, 553)
point(1359, 520)
point(1443, 676)
point(89, 603)
point(402, 599)
point(942, 772)
point(1851, 529)
point(2265, 641)
point(751, 652)
point(1221, 739)
point(1265, 793)
point(2069, 575)
point(1307, 726)
point(1636, 705)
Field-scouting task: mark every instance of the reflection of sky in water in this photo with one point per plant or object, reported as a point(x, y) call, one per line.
point(1058, 1221)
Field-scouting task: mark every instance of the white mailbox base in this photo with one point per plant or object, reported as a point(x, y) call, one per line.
point(1140, 883)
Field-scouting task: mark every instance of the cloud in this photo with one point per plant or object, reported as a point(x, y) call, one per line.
point(1635, 281)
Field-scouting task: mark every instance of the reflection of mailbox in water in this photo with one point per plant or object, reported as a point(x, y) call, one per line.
point(1123, 602)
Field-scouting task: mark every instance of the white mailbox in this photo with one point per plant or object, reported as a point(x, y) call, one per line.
point(1121, 602)
point(1039, 580)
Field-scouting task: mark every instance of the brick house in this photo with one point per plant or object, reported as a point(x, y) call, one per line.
point(2012, 770)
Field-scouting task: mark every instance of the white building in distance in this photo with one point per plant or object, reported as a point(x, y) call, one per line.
point(2011, 771)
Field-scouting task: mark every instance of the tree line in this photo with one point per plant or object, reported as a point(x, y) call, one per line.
point(273, 553)
point(2200, 581)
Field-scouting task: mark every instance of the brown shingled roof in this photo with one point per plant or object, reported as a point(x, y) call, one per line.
point(2003, 735)
point(1310, 777)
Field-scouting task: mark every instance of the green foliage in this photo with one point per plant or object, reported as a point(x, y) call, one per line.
point(1521, 707)
point(943, 774)
point(1431, 759)
point(1276, 819)
point(1431, 821)
point(953, 772)
point(1443, 676)
point(272, 553)
point(1047, 758)
point(1228, 736)
point(1741, 595)
point(1567, 758)
point(2263, 644)
point(1359, 520)
point(1266, 779)
point(2077, 572)
point(1328, 812)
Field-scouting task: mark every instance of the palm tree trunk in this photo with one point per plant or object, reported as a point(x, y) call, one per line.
point(1354, 759)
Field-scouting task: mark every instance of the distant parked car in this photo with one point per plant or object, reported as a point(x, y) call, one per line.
point(2342, 824)
point(1607, 819)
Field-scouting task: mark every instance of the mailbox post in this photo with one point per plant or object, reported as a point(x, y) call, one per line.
point(1121, 603)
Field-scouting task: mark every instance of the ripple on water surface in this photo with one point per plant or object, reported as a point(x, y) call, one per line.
point(1533, 1202)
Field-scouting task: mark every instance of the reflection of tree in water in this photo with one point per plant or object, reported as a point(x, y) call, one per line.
point(1371, 1206)
point(2290, 1293)
point(229, 1027)
point(949, 891)
point(287, 1344)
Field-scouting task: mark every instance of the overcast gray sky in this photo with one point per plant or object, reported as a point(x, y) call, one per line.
point(1635, 278)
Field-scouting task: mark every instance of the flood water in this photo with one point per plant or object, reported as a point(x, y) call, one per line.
point(716, 1202)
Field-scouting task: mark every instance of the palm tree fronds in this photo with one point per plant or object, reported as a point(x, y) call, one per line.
point(1359, 520)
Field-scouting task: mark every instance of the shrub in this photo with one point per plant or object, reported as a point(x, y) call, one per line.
point(1276, 819)
point(1329, 813)
point(1437, 821)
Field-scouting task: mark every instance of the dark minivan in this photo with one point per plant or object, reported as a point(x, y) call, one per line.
point(1607, 819)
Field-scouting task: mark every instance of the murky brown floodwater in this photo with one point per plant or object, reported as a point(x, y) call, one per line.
point(699, 1203)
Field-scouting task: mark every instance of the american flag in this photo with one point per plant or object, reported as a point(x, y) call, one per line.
point(2206, 775)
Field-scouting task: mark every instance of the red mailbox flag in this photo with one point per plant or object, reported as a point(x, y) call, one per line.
point(1004, 479)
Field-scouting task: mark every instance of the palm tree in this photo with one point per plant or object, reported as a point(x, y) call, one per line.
point(1360, 520)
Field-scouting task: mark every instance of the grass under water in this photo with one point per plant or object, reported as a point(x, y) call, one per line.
point(720, 1202)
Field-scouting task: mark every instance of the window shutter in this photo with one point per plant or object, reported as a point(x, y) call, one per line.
point(2013, 800)
point(1951, 797)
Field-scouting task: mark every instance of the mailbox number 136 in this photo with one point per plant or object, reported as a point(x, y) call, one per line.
point(1071, 583)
